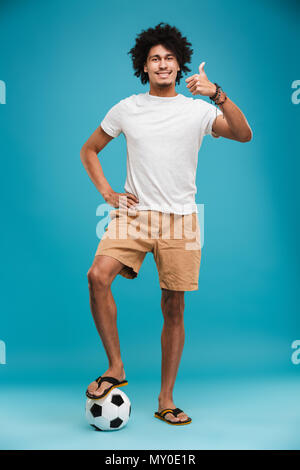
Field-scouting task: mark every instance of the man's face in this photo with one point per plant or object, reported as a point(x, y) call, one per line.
point(162, 66)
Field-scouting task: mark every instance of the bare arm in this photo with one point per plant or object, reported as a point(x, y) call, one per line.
point(89, 157)
point(234, 125)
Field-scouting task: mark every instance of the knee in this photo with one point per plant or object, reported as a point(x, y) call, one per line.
point(97, 278)
point(173, 308)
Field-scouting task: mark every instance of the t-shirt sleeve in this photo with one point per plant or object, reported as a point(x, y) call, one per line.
point(210, 112)
point(112, 122)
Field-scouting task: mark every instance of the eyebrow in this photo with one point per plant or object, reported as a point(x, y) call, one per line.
point(157, 55)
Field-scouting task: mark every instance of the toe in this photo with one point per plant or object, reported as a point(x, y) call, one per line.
point(183, 416)
point(171, 417)
point(92, 387)
point(100, 390)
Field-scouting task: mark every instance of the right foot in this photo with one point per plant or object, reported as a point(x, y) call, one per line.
point(118, 374)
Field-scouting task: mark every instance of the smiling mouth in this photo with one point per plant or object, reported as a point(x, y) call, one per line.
point(163, 74)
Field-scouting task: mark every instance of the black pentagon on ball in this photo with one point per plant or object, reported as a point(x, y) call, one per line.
point(96, 410)
point(117, 400)
point(116, 423)
point(129, 409)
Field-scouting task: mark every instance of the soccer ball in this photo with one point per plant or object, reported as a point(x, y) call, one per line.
point(109, 413)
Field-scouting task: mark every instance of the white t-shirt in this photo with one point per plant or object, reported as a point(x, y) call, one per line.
point(164, 136)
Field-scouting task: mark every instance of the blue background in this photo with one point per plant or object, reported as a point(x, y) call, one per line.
point(65, 64)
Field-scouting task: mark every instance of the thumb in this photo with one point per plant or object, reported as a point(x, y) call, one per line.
point(201, 69)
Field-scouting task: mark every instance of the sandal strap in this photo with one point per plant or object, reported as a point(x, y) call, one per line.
point(165, 411)
point(111, 380)
point(174, 411)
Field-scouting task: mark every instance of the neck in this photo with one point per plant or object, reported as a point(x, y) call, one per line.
point(163, 92)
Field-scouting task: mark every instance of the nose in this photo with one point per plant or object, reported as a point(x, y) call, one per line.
point(162, 64)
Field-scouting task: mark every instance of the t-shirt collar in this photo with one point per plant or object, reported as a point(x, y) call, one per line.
point(161, 98)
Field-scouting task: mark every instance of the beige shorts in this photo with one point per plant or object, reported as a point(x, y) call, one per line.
point(173, 239)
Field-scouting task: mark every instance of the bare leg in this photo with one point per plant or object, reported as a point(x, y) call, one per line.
point(100, 276)
point(172, 342)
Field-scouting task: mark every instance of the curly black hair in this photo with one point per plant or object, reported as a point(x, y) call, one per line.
point(168, 36)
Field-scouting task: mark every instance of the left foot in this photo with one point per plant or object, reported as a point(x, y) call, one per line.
point(170, 404)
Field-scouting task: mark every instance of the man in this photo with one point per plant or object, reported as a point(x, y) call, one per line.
point(164, 131)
